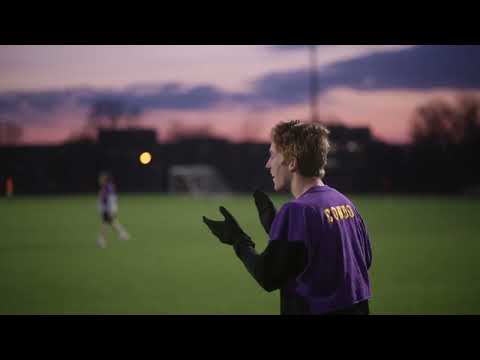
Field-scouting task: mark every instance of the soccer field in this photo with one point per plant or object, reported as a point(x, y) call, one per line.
point(425, 257)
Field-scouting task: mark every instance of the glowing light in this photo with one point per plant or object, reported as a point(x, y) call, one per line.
point(145, 158)
point(352, 146)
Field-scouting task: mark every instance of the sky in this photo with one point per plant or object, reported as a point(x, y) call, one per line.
point(233, 91)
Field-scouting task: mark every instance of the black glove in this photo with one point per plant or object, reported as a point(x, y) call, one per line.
point(228, 231)
point(266, 209)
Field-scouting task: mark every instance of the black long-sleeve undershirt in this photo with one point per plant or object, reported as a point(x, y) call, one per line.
point(280, 261)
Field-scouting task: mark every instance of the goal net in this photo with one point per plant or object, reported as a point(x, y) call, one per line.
point(196, 180)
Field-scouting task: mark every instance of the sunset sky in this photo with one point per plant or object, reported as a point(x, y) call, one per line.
point(237, 91)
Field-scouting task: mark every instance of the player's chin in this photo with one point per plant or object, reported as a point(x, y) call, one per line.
point(277, 185)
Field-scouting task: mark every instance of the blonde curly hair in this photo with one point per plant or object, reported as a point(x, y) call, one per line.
point(307, 142)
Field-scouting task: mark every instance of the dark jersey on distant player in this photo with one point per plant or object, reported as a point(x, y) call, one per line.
point(107, 202)
point(318, 255)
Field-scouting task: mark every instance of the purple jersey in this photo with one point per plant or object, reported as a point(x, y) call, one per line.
point(108, 199)
point(338, 249)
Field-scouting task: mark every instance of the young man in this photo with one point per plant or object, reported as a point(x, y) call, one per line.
point(108, 207)
point(319, 252)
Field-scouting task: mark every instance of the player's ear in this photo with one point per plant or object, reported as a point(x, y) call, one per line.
point(293, 165)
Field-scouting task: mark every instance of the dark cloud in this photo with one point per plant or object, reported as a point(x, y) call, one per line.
point(422, 67)
point(135, 99)
point(172, 97)
point(167, 97)
point(41, 101)
point(419, 68)
point(285, 88)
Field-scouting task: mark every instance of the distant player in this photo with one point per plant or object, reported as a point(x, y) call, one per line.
point(9, 187)
point(108, 207)
point(319, 250)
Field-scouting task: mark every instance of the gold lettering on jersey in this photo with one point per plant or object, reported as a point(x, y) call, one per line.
point(339, 213)
point(328, 215)
point(350, 211)
point(334, 212)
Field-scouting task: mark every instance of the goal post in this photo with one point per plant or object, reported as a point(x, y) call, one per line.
point(197, 180)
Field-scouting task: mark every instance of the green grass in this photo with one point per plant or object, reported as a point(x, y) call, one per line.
point(425, 257)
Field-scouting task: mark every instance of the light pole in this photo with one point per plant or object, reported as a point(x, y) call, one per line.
point(313, 83)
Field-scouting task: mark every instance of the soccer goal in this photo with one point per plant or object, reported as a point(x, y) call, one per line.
point(197, 180)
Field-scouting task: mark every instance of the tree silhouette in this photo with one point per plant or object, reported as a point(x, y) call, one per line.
point(446, 138)
point(443, 124)
point(112, 112)
point(109, 113)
